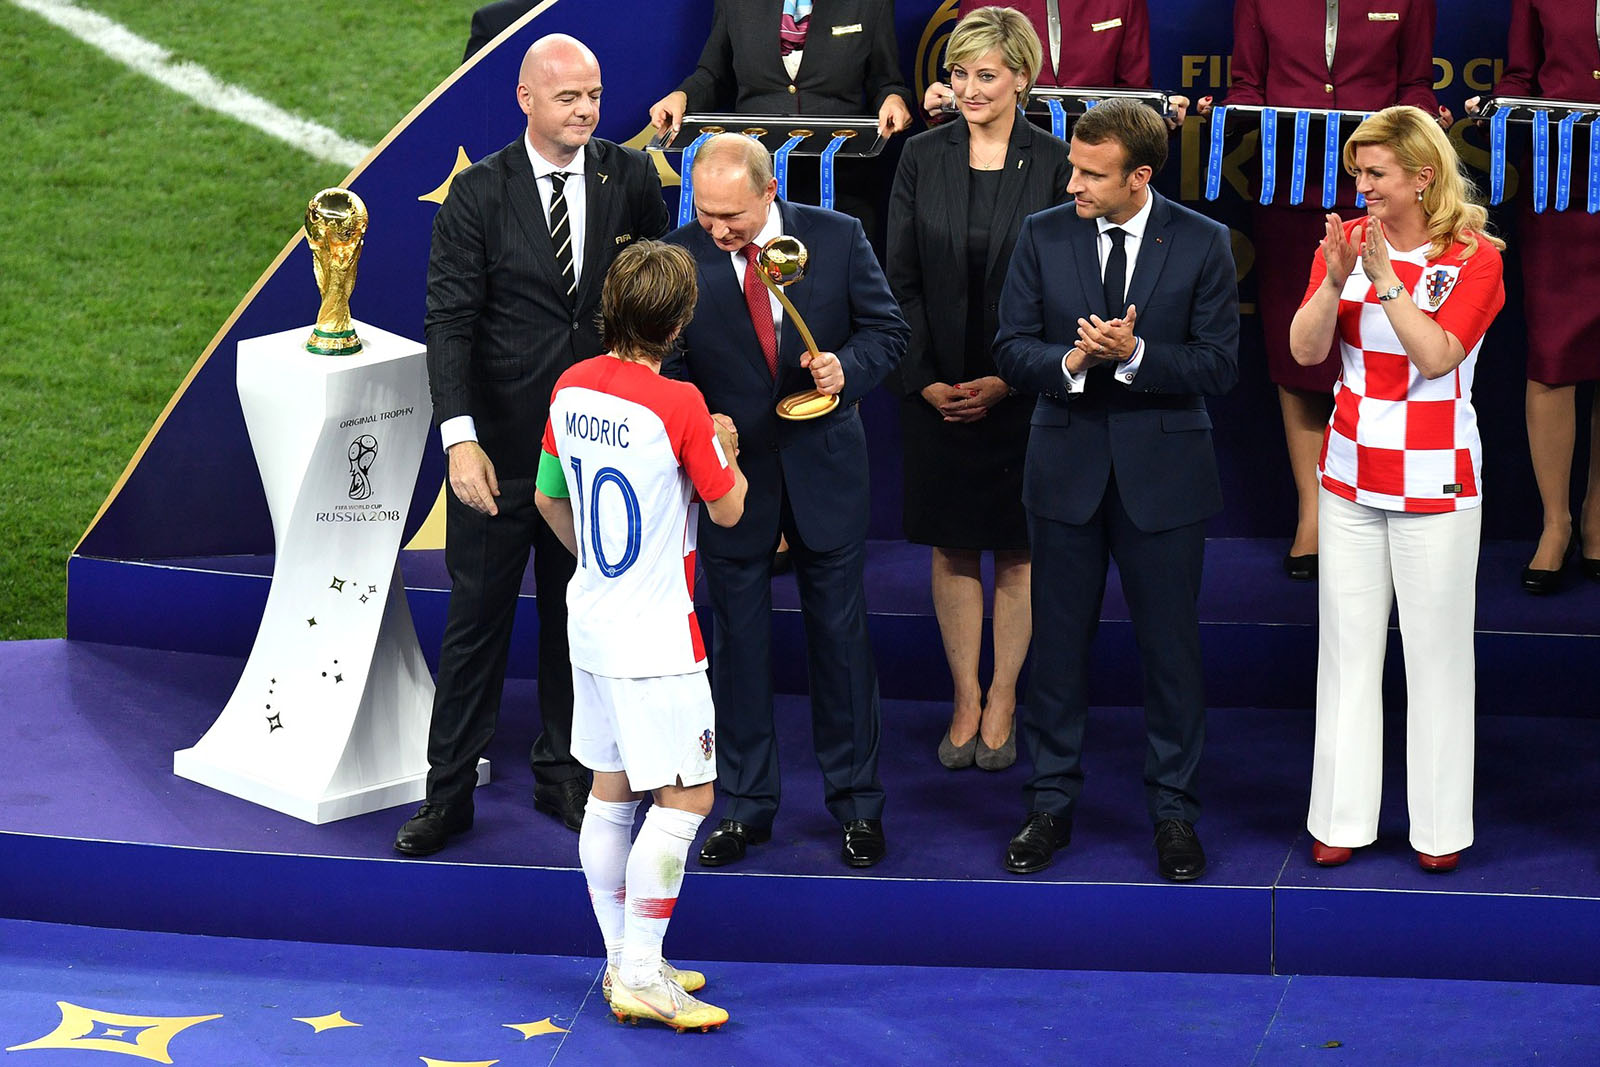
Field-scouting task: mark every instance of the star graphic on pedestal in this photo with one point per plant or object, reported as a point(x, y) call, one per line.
point(144, 1036)
point(311, 621)
point(274, 722)
point(319, 1023)
point(337, 585)
point(543, 1026)
point(437, 196)
point(338, 677)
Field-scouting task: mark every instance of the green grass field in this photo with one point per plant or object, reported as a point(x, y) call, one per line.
point(134, 221)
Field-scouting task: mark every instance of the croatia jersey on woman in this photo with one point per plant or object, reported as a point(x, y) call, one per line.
point(634, 449)
point(1397, 440)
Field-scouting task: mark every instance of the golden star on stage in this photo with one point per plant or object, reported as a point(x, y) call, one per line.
point(150, 1033)
point(458, 1063)
point(438, 195)
point(543, 1026)
point(319, 1023)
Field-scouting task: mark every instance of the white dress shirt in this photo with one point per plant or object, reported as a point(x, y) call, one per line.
point(461, 428)
point(1132, 241)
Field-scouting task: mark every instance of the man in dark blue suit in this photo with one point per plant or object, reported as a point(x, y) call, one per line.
point(1120, 311)
point(808, 481)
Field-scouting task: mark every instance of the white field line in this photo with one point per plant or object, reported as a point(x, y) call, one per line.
point(195, 82)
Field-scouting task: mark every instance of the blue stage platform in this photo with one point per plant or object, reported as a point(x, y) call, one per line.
point(95, 830)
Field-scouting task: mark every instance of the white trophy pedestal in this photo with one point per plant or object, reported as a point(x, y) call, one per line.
point(330, 718)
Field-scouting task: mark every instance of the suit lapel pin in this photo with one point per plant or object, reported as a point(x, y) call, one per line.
point(1019, 164)
point(603, 176)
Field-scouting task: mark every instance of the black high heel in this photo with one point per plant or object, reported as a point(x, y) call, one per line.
point(1541, 582)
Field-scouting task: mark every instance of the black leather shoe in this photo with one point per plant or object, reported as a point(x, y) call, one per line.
point(431, 828)
point(1591, 569)
point(1542, 582)
point(1034, 845)
point(1178, 853)
point(728, 842)
point(863, 842)
point(564, 800)
point(1301, 568)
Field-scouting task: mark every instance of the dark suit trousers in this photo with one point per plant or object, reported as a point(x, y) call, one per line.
point(845, 714)
point(486, 558)
point(1161, 581)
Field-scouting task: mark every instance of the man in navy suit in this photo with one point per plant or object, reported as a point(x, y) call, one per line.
point(1120, 311)
point(808, 481)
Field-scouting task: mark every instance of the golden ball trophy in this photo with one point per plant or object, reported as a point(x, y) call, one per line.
point(783, 262)
point(336, 225)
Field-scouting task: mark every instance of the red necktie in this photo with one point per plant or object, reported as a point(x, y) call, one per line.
point(755, 297)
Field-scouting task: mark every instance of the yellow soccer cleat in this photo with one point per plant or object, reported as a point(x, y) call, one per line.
point(689, 981)
point(664, 1001)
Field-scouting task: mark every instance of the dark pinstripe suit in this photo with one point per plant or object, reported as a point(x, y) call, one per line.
point(500, 331)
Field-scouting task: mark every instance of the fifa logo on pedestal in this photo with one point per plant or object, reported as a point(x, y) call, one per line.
point(363, 450)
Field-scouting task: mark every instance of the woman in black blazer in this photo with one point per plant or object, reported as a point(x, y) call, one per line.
point(959, 199)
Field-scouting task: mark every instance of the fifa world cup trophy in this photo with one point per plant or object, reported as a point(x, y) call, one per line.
point(336, 225)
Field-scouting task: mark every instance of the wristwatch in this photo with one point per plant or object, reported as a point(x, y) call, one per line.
point(1391, 292)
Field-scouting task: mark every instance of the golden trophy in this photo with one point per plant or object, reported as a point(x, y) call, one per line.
point(783, 262)
point(336, 224)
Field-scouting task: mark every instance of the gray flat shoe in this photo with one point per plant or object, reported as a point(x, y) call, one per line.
point(956, 757)
point(997, 759)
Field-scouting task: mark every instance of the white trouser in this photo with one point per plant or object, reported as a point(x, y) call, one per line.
point(1367, 559)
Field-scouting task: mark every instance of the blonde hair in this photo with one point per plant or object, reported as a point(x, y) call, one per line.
point(1451, 203)
point(988, 28)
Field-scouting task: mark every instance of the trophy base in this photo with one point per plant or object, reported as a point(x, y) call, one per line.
point(797, 407)
point(333, 342)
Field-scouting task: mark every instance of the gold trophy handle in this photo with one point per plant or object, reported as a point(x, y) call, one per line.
point(810, 403)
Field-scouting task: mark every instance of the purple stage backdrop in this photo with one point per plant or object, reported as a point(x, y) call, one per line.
point(192, 490)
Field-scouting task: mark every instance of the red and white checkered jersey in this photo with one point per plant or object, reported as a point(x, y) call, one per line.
point(1398, 441)
point(633, 448)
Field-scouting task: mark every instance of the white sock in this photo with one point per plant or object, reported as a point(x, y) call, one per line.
point(603, 852)
point(655, 874)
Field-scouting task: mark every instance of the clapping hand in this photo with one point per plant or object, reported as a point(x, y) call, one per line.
point(1106, 341)
point(1375, 257)
point(1339, 254)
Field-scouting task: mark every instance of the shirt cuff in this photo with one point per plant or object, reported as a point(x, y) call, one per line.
point(1126, 371)
point(1074, 381)
point(455, 430)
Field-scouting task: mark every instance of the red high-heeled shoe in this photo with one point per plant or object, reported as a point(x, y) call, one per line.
point(1438, 864)
point(1329, 855)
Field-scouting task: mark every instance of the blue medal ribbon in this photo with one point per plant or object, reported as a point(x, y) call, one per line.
point(1219, 122)
point(1541, 160)
point(1361, 201)
point(1497, 155)
point(686, 188)
point(1269, 153)
point(1302, 136)
point(827, 169)
point(1564, 161)
point(1594, 166)
point(1330, 160)
point(1058, 118)
point(780, 164)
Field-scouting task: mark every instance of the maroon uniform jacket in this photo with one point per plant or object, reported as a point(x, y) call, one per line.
point(1552, 50)
point(1384, 54)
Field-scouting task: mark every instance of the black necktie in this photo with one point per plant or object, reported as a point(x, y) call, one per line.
point(1115, 279)
point(561, 232)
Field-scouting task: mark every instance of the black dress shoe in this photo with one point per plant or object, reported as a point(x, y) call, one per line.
point(728, 841)
point(1541, 582)
point(863, 842)
point(431, 828)
point(564, 800)
point(1034, 845)
point(1301, 568)
point(1178, 853)
point(1591, 569)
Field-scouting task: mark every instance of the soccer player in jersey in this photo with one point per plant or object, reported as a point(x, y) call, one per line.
point(626, 451)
